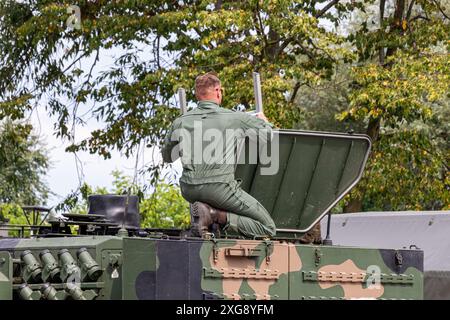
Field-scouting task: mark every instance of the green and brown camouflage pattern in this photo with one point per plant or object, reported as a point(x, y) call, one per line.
point(316, 171)
point(135, 268)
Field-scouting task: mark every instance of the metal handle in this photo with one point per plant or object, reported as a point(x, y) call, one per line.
point(182, 97)
point(243, 252)
point(257, 92)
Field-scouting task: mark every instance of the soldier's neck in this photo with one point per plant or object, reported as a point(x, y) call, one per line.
point(208, 102)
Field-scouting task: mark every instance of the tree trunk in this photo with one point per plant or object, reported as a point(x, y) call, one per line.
point(373, 129)
point(396, 25)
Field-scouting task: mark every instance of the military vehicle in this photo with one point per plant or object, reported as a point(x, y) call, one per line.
point(111, 257)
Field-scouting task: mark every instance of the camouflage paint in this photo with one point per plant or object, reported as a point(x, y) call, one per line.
point(279, 263)
point(103, 249)
point(356, 260)
point(156, 268)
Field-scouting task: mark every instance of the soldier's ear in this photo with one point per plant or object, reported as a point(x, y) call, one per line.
point(217, 90)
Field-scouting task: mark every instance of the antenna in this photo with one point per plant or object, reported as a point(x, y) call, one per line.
point(257, 92)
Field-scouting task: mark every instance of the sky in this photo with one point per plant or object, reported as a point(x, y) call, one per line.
point(66, 173)
point(63, 177)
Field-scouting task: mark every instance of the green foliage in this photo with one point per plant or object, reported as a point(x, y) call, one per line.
point(23, 164)
point(321, 103)
point(403, 92)
point(407, 172)
point(413, 67)
point(77, 202)
point(13, 214)
point(408, 168)
point(165, 208)
point(399, 98)
point(162, 45)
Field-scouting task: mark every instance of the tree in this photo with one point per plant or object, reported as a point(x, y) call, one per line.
point(395, 53)
point(23, 165)
point(162, 45)
point(397, 95)
point(404, 75)
point(12, 214)
point(321, 103)
point(408, 169)
point(165, 208)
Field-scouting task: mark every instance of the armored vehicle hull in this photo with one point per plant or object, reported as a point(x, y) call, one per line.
point(313, 172)
point(134, 268)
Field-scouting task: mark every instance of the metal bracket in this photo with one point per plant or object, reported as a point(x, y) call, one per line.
point(242, 252)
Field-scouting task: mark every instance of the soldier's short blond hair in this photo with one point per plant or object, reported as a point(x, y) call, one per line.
point(204, 83)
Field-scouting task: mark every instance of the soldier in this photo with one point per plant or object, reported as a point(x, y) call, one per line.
point(210, 185)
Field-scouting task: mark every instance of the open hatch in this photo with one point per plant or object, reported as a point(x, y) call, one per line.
point(315, 171)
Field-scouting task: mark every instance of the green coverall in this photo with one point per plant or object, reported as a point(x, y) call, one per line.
point(212, 181)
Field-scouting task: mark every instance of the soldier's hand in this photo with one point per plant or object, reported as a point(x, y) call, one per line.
point(261, 116)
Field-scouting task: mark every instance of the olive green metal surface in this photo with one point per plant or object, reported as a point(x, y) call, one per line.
point(316, 170)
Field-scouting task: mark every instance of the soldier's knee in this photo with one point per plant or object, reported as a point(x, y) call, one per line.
point(272, 229)
point(271, 233)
